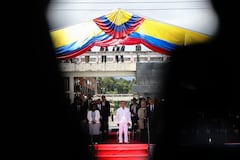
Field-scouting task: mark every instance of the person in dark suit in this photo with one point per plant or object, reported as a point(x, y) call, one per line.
point(134, 106)
point(152, 109)
point(105, 113)
point(199, 96)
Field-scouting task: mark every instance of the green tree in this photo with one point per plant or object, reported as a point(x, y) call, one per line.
point(113, 85)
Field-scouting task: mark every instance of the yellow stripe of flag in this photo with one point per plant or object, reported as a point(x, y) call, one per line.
point(119, 17)
point(78, 32)
point(170, 33)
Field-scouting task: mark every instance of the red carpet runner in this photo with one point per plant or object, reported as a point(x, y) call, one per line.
point(114, 151)
point(121, 151)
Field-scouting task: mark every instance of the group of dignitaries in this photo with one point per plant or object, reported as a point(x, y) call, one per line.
point(93, 116)
point(144, 116)
point(139, 117)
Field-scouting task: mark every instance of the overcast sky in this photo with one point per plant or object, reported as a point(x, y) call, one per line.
point(196, 15)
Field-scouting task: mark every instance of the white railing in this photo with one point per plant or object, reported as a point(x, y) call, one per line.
point(115, 97)
point(128, 57)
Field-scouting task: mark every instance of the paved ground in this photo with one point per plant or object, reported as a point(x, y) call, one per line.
point(112, 124)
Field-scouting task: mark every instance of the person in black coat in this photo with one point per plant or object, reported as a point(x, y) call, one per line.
point(105, 113)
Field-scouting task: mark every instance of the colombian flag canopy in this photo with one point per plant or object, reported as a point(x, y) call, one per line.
point(120, 27)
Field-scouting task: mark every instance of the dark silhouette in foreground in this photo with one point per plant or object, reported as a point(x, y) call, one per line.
point(39, 119)
point(201, 117)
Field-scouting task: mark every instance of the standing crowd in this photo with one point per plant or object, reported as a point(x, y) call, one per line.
point(140, 118)
point(143, 117)
point(92, 116)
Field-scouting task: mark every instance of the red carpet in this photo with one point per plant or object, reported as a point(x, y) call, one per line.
point(111, 150)
point(121, 151)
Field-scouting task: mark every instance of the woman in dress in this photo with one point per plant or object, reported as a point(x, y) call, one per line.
point(93, 117)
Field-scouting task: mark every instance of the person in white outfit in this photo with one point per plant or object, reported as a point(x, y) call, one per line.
point(123, 119)
point(93, 117)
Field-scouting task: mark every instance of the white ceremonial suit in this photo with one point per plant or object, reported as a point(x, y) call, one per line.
point(123, 117)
